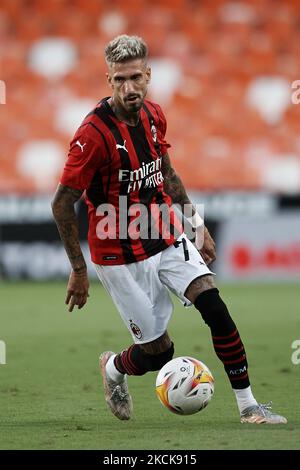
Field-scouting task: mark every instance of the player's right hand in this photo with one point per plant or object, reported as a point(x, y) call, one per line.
point(205, 245)
point(77, 290)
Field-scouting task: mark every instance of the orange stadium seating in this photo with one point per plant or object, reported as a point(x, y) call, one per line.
point(229, 128)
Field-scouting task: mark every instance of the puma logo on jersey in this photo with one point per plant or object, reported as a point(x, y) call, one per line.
point(80, 145)
point(118, 146)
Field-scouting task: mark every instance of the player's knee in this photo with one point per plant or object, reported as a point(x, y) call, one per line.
point(212, 308)
point(157, 361)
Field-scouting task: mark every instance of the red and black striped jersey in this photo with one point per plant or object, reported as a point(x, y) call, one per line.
point(119, 167)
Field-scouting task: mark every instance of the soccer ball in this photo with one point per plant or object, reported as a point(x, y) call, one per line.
point(185, 385)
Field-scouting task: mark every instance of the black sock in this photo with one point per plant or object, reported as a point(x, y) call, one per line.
point(225, 336)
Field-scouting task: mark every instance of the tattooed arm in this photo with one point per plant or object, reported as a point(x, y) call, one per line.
point(173, 185)
point(174, 188)
point(66, 221)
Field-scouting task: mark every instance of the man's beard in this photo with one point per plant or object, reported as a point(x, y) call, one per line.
point(134, 106)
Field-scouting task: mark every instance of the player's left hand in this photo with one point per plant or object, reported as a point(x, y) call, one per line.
point(77, 290)
point(206, 245)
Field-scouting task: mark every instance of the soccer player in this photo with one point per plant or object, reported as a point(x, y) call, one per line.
point(119, 158)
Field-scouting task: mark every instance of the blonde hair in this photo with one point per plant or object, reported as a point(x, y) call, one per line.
point(123, 48)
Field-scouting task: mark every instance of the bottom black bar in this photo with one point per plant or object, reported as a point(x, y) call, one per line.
point(146, 458)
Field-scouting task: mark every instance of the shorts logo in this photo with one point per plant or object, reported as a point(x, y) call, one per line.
point(135, 330)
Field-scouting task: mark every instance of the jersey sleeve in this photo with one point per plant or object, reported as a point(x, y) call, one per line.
point(86, 156)
point(162, 129)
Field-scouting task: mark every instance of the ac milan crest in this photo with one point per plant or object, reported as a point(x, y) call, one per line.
point(154, 133)
point(135, 330)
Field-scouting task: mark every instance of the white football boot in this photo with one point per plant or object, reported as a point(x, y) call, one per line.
point(261, 414)
point(116, 394)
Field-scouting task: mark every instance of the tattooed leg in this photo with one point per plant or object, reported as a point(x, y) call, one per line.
point(199, 285)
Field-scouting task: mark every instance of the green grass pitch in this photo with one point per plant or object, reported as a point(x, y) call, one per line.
point(50, 390)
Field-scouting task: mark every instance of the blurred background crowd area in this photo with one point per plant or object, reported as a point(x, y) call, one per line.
point(222, 71)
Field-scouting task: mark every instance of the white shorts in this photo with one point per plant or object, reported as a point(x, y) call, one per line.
point(140, 290)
